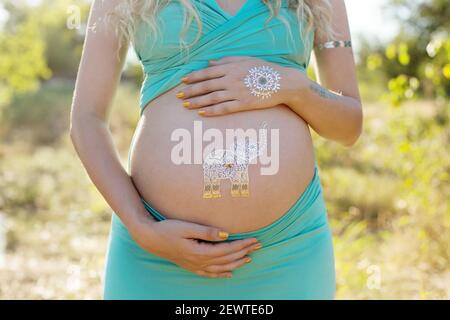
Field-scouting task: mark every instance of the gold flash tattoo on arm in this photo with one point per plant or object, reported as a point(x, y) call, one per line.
point(335, 44)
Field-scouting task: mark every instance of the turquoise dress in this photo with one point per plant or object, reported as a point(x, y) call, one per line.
point(296, 260)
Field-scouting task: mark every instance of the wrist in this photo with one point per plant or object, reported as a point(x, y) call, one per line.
point(139, 220)
point(294, 87)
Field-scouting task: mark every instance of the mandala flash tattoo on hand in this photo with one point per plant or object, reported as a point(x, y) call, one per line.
point(262, 81)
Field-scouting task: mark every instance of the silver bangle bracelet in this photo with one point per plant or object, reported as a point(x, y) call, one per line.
point(335, 44)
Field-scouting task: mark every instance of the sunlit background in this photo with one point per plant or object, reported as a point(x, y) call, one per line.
point(388, 197)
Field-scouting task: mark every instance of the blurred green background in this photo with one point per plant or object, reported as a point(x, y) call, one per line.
point(388, 197)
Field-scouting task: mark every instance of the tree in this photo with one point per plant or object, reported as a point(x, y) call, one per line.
point(416, 63)
point(22, 60)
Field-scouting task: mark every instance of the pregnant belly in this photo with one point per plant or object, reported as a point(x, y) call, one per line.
point(169, 168)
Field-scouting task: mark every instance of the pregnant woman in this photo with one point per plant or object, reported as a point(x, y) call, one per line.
point(222, 197)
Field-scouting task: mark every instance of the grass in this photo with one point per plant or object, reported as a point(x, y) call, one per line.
point(387, 199)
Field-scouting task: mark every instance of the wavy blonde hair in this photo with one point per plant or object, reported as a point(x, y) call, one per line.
point(314, 14)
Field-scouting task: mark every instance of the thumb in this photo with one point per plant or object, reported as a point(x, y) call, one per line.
point(197, 231)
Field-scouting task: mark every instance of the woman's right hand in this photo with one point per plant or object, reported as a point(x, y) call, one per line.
point(180, 242)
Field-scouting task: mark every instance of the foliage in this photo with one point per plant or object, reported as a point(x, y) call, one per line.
point(59, 26)
point(53, 222)
point(417, 62)
point(389, 203)
point(22, 60)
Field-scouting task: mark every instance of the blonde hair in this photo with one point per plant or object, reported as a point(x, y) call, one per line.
point(314, 14)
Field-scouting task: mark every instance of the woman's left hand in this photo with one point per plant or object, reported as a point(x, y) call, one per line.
point(220, 89)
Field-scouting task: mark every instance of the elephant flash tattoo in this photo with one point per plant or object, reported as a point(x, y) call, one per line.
point(232, 164)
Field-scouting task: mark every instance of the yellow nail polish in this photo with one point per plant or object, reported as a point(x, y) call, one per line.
point(248, 259)
point(180, 95)
point(223, 234)
point(184, 79)
point(186, 104)
point(259, 246)
point(201, 112)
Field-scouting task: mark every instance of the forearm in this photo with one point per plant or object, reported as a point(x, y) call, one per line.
point(94, 145)
point(333, 116)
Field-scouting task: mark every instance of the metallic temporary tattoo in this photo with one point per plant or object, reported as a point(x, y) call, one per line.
point(324, 93)
point(232, 164)
point(262, 81)
point(335, 44)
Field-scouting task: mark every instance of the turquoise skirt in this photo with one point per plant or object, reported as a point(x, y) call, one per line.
point(296, 261)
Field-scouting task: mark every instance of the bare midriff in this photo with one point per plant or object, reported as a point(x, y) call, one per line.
point(176, 190)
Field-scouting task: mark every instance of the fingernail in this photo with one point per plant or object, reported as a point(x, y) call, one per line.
point(186, 104)
point(248, 259)
point(201, 112)
point(258, 246)
point(229, 275)
point(184, 79)
point(223, 234)
point(180, 95)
